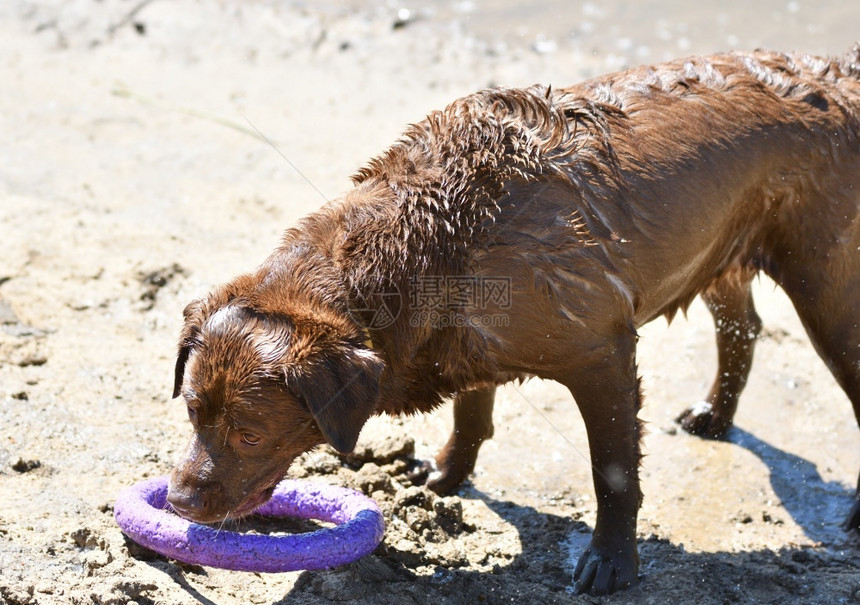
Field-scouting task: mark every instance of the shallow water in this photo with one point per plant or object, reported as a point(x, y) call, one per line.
point(626, 33)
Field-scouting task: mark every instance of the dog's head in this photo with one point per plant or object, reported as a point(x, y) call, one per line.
point(261, 389)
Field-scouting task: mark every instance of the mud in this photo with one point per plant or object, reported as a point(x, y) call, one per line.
point(149, 150)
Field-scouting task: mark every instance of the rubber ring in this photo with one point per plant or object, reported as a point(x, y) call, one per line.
point(144, 516)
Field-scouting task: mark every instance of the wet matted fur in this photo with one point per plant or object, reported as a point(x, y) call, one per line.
point(591, 210)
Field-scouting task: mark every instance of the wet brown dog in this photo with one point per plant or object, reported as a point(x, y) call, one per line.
point(531, 232)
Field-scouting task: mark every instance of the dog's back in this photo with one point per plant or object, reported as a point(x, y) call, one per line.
point(631, 193)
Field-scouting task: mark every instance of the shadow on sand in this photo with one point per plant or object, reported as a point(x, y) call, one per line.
point(816, 505)
point(551, 543)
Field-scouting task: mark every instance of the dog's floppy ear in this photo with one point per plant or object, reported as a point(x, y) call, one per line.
point(193, 320)
point(340, 391)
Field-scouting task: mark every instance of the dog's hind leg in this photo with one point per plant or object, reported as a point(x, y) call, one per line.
point(821, 276)
point(473, 424)
point(737, 327)
point(832, 321)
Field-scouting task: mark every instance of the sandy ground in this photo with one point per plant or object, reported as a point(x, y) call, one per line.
point(133, 178)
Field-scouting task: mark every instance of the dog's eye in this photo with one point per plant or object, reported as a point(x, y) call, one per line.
point(250, 438)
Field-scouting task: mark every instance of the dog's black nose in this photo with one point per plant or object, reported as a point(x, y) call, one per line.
point(186, 501)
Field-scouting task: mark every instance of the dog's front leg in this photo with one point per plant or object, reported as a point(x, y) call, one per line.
point(473, 424)
point(738, 326)
point(607, 393)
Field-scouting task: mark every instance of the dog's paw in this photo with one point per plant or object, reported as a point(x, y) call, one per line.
point(426, 473)
point(420, 472)
point(599, 573)
point(452, 467)
point(701, 419)
point(444, 481)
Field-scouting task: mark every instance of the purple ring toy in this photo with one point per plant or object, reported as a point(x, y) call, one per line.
point(142, 514)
